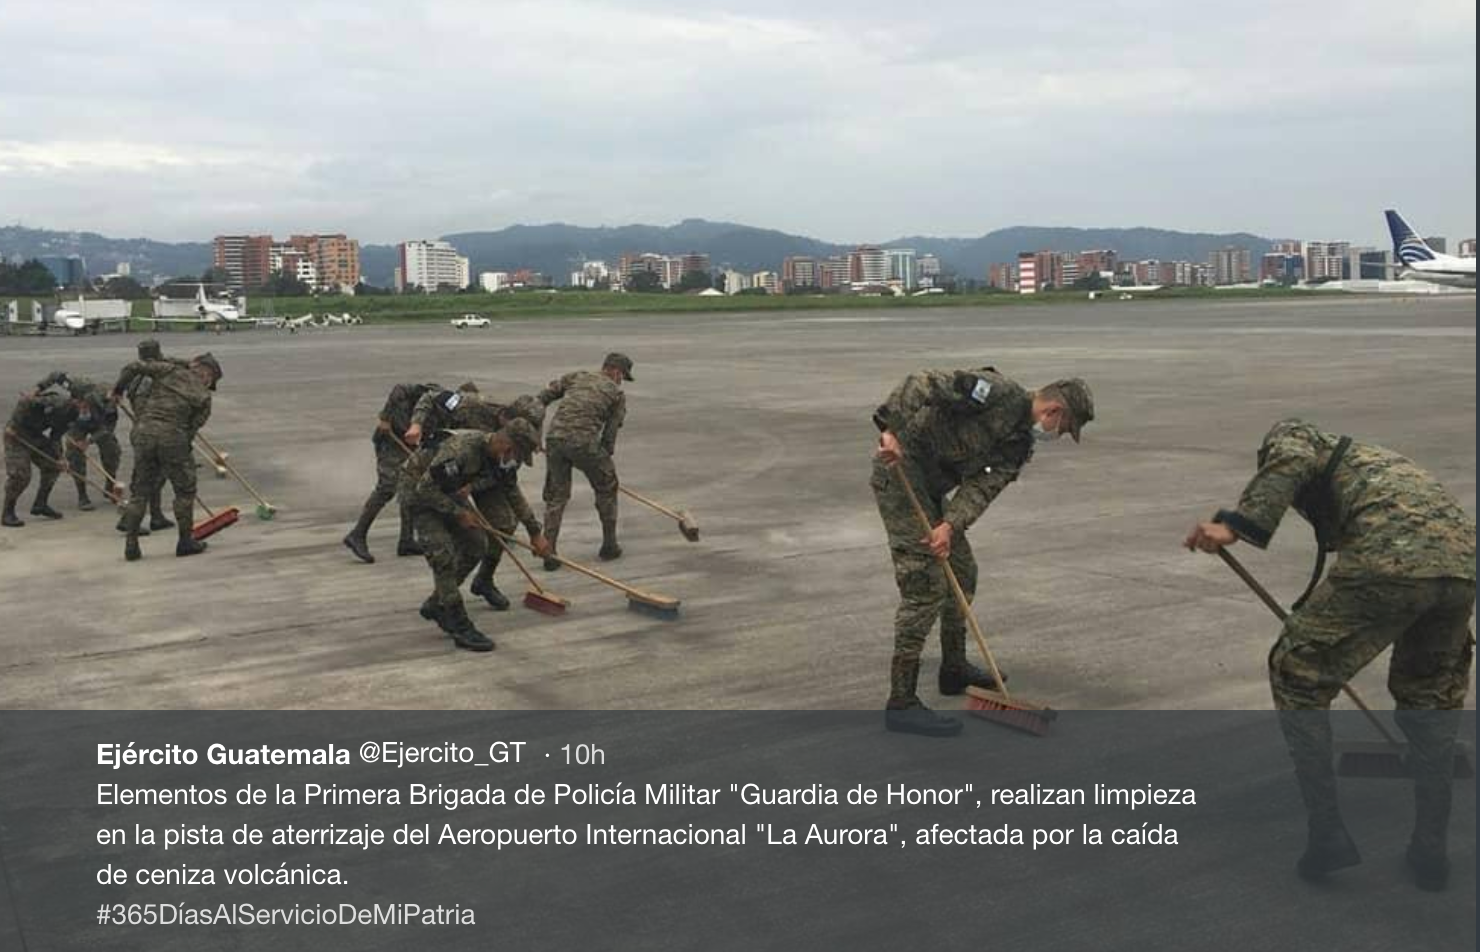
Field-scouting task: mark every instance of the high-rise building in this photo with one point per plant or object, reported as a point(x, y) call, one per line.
point(1326, 260)
point(1002, 277)
point(1372, 264)
point(1282, 267)
point(736, 281)
point(69, 271)
point(336, 258)
point(1229, 265)
point(902, 267)
point(799, 271)
point(1103, 261)
point(1466, 248)
point(295, 263)
point(430, 265)
point(1069, 273)
point(247, 259)
point(769, 280)
point(1287, 247)
point(833, 273)
point(693, 261)
point(492, 281)
point(1027, 272)
point(1439, 243)
point(928, 266)
point(868, 265)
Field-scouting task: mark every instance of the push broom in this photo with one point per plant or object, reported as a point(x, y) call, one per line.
point(60, 464)
point(647, 603)
point(265, 509)
point(1385, 759)
point(686, 523)
point(200, 531)
point(537, 597)
point(998, 705)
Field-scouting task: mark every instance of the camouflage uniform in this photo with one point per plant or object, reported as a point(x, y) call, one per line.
point(497, 495)
point(389, 459)
point(177, 407)
point(137, 392)
point(1405, 577)
point(972, 438)
point(97, 423)
point(583, 436)
point(434, 500)
point(38, 419)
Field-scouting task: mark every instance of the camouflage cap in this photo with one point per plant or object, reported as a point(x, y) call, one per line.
point(1079, 401)
point(149, 349)
point(467, 386)
point(622, 362)
point(526, 441)
point(208, 361)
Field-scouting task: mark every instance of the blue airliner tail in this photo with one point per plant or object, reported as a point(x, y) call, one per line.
point(1407, 246)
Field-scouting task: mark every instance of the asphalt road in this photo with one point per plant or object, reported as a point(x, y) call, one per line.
point(758, 424)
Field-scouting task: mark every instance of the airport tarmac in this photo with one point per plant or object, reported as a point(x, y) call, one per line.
point(759, 425)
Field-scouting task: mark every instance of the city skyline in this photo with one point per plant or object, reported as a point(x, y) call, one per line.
point(845, 122)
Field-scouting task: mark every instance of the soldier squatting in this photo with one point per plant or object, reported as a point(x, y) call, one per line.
point(1405, 575)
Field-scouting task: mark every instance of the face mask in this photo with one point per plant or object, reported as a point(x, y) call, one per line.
point(508, 464)
point(1041, 435)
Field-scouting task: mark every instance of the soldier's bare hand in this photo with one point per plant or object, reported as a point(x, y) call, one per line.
point(540, 544)
point(412, 435)
point(939, 541)
point(889, 449)
point(1209, 537)
point(468, 519)
point(383, 426)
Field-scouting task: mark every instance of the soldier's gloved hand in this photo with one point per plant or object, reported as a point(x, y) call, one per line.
point(889, 449)
point(412, 436)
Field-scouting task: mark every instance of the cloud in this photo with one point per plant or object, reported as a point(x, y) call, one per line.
point(842, 120)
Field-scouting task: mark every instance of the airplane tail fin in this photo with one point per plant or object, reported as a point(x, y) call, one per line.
point(1407, 246)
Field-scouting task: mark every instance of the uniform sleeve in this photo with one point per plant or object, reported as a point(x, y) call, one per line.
point(55, 377)
point(554, 390)
point(908, 408)
point(1291, 463)
point(146, 368)
point(613, 424)
point(422, 413)
point(200, 414)
point(397, 409)
point(977, 492)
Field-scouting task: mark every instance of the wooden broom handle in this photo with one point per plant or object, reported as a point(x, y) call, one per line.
point(961, 601)
point(498, 537)
point(1279, 611)
point(60, 464)
point(650, 503)
point(226, 464)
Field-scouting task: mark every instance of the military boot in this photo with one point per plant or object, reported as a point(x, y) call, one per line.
point(356, 541)
point(131, 550)
point(464, 633)
point(1431, 757)
point(610, 550)
point(553, 518)
point(9, 519)
point(42, 505)
point(483, 585)
point(123, 527)
point(430, 610)
point(84, 503)
point(954, 679)
point(905, 713)
point(188, 544)
point(159, 522)
point(407, 545)
point(1328, 847)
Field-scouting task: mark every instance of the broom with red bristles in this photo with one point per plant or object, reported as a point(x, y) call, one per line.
point(998, 705)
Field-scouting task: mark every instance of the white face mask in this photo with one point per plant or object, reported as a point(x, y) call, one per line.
point(508, 464)
point(1042, 435)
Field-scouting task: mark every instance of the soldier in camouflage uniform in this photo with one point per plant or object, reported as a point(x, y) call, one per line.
point(583, 436)
point(178, 406)
point(93, 417)
point(39, 419)
point(1405, 577)
point(390, 434)
point(138, 394)
point(440, 507)
point(971, 432)
point(497, 495)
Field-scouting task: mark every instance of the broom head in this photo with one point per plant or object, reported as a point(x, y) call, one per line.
point(656, 606)
point(1011, 712)
point(265, 512)
point(688, 527)
point(208, 527)
point(546, 603)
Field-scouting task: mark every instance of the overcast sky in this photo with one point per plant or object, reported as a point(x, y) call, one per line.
point(844, 120)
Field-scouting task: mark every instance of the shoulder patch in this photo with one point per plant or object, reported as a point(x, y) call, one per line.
point(980, 391)
point(451, 400)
